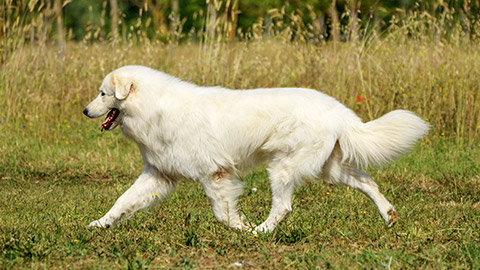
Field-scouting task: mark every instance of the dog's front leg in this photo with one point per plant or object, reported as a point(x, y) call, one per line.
point(150, 187)
point(223, 190)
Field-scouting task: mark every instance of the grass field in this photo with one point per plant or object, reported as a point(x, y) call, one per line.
point(58, 172)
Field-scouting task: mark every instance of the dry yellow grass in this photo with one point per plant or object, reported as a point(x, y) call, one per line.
point(435, 80)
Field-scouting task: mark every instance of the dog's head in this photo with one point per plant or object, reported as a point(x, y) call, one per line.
point(114, 91)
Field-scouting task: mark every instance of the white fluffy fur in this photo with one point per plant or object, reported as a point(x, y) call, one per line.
point(213, 134)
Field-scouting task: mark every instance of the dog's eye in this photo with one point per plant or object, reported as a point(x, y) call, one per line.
point(102, 94)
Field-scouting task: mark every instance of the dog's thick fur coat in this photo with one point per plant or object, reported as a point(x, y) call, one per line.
point(213, 134)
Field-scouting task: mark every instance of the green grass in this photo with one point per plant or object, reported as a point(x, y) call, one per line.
point(45, 211)
point(54, 182)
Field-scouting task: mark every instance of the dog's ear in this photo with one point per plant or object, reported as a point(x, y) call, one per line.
point(123, 87)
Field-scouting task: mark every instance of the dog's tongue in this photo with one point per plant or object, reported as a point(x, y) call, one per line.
point(109, 119)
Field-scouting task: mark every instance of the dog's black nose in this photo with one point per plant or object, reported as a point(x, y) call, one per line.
point(85, 111)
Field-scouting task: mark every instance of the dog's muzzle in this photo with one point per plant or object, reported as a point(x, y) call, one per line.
point(86, 112)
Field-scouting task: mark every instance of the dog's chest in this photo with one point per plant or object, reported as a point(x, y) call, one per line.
point(175, 160)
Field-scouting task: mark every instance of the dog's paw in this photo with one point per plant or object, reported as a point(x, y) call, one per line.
point(98, 224)
point(392, 218)
point(263, 228)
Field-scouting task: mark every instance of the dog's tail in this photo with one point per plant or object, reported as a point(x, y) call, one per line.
point(382, 140)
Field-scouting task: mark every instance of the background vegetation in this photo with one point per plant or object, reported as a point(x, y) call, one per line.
point(58, 172)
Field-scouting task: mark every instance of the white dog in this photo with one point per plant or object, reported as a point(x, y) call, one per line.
point(212, 134)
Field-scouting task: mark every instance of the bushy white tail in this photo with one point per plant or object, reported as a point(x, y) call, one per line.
point(382, 140)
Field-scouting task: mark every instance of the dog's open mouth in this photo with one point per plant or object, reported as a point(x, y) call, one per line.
point(109, 120)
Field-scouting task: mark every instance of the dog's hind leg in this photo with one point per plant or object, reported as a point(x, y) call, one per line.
point(341, 173)
point(286, 172)
point(223, 189)
point(365, 184)
point(150, 187)
point(282, 192)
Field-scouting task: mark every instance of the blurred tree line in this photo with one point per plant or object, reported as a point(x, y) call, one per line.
point(167, 19)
